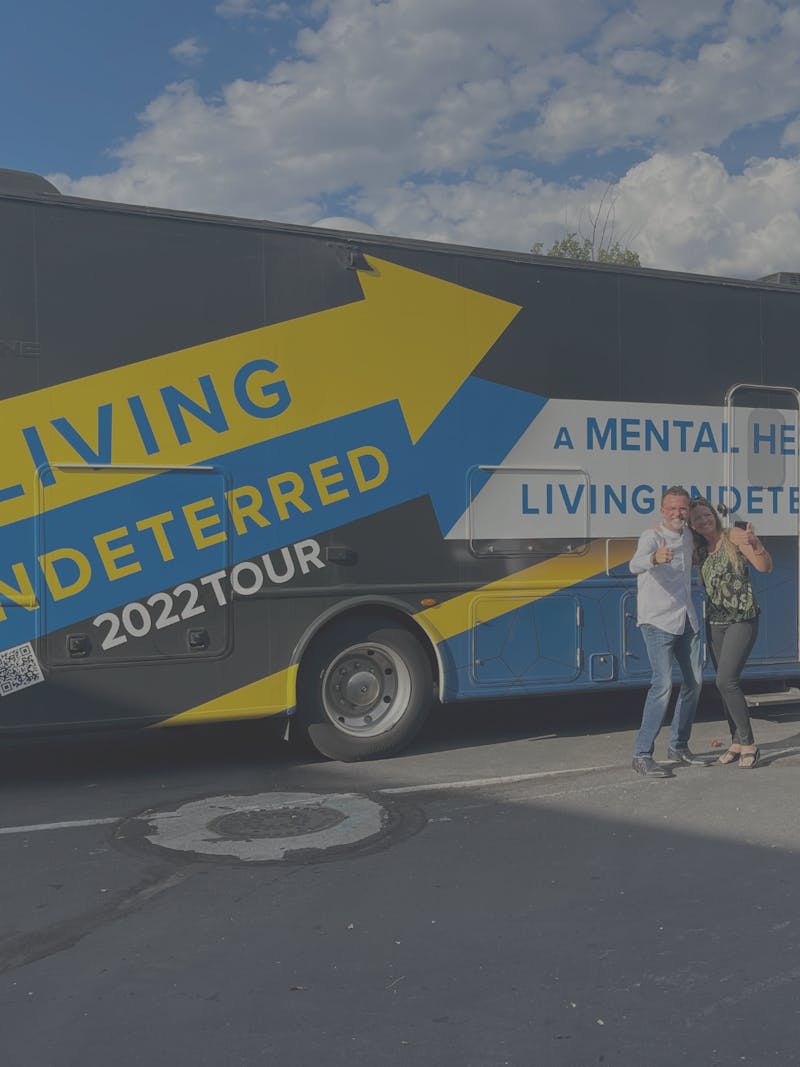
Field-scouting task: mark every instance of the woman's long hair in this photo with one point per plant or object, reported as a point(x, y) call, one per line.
point(735, 556)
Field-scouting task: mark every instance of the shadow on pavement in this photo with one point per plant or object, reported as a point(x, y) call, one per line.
point(258, 745)
point(653, 924)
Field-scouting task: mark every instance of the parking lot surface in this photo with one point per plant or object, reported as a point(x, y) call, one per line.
point(506, 892)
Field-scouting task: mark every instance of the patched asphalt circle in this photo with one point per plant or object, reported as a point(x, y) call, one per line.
point(277, 827)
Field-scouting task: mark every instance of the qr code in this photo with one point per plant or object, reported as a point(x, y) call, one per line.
point(19, 668)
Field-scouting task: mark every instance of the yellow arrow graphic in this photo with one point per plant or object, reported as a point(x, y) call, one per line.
point(413, 338)
point(276, 692)
point(511, 592)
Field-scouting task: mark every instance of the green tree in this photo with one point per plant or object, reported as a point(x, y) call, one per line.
point(571, 246)
point(598, 244)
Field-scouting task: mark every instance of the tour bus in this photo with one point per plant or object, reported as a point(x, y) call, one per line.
point(249, 469)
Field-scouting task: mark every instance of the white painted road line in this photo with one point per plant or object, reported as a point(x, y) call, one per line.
point(430, 787)
point(473, 783)
point(55, 825)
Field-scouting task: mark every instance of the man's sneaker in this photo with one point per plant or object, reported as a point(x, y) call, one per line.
point(685, 755)
point(648, 767)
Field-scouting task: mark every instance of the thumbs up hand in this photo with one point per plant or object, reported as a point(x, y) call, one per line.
point(662, 554)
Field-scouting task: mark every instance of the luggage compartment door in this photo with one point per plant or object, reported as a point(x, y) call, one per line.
point(124, 577)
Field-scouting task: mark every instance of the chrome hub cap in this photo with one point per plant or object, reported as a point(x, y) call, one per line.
point(366, 690)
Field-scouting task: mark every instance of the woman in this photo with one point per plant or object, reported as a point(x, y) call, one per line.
point(732, 615)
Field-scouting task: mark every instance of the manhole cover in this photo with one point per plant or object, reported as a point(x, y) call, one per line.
point(302, 827)
point(288, 822)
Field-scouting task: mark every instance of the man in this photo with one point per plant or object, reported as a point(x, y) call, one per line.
point(670, 628)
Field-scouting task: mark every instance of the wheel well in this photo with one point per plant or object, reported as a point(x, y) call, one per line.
point(392, 614)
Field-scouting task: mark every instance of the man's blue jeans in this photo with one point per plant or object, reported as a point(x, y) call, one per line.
point(661, 648)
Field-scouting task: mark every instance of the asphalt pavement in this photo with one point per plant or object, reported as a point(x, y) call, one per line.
point(506, 892)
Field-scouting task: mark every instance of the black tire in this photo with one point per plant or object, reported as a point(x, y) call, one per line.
point(364, 690)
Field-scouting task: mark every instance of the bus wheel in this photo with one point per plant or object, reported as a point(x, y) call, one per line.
point(364, 690)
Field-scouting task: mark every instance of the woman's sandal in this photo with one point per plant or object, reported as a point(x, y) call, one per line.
point(729, 757)
point(748, 760)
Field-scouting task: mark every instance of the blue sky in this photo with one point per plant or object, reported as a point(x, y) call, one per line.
point(491, 124)
point(78, 83)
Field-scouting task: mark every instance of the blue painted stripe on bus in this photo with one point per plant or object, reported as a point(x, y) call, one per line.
point(75, 524)
point(495, 417)
point(11, 492)
point(478, 427)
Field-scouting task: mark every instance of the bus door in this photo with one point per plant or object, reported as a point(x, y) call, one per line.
point(761, 484)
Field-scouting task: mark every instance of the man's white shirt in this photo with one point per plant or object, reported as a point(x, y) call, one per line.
point(664, 596)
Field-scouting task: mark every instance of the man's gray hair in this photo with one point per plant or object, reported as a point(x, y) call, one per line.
point(675, 490)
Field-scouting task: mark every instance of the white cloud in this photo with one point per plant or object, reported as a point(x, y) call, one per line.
point(344, 222)
point(234, 9)
point(680, 212)
point(650, 22)
point(408, 114)
point(754, 18)
point(691, 214)
point(639, 63)
point(791, 135)
point(686, 100)
point(189, 50)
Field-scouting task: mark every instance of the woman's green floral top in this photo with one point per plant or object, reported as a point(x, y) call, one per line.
point(729, 594)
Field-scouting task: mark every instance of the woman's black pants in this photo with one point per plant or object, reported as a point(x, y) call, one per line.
point(731, 644)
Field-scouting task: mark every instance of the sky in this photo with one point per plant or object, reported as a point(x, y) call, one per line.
point(496, 123)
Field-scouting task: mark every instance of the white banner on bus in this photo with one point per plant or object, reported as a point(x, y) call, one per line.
point(588, 469)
